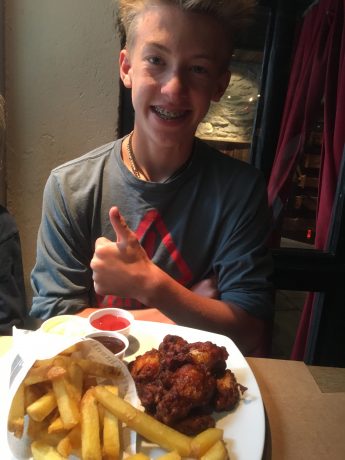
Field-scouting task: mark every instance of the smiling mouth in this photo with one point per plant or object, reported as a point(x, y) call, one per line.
point(167, 114)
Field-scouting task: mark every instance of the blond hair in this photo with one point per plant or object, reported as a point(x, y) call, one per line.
point(231, 14)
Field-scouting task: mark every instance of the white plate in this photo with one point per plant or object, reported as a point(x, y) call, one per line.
point(244, 427)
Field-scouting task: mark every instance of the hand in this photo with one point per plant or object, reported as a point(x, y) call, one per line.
point(207, 288)
point(118, 267)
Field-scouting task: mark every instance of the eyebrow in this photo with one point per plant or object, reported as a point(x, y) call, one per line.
point(164, 49)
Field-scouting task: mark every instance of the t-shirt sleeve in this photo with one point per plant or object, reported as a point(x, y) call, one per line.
point(61, 278)
point(243, 262)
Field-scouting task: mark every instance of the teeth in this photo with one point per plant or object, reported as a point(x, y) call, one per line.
point(166, 114)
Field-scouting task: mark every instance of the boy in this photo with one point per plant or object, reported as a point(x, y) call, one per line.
point(190, 239)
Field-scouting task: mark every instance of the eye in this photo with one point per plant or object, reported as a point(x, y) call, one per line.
point(155, 60)
point(198, 69)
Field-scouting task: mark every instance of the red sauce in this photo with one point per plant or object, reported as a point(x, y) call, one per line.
point(113, 344)
point(110, 323)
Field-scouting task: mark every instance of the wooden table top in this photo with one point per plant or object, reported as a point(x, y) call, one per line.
point(305, 409)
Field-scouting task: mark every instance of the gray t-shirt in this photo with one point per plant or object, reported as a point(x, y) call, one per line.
point(212, 219)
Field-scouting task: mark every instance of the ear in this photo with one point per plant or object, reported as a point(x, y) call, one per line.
point(125, 68)
point(221, 85)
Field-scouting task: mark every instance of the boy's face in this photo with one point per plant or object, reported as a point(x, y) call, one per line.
point(175, 66)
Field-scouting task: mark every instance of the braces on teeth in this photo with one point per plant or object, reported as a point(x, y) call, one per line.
point(166, 113)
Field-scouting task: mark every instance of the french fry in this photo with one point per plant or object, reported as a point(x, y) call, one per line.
point(56, 372)
point(43, 362)
point(205, 440)
point(37, 374)
point(170, 456)
point(42, 407)
point(52, 439)
point(63, 361)
point(68, 417)
point(33, 392)
point(111, 433)
point(57, 360)
point(99, 369)
point(138, 456)
point(90, 437)
point(70, 443)
point(42, 451)
point(35, 428)
point(101, 412)
point(216, 452)
point(56, 426)
point(64, 447)
point(17, 411)
point(67, 405)
point(38, 431)
point(75, 437)
point(144, 424)
point(76, 379)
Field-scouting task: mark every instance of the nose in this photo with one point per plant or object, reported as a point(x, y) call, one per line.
point(175, 84)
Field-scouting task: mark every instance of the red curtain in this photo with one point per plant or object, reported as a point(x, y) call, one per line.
point(317, 73)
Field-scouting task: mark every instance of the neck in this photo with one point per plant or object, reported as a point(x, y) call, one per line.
point(154, 165)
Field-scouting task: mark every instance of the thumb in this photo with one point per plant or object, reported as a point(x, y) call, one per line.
point(119, 225)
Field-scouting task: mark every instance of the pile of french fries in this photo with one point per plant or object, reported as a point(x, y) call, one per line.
point(66, 411)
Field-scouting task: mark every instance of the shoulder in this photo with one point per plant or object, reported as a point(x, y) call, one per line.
point(87, 170)
point(225, 166)
point(91, 159)
point(83, 177)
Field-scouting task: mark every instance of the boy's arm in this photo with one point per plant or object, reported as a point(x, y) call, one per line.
point(61, 278)
point(123, 268)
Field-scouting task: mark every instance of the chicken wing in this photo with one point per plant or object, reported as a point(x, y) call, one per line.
point(182, 383)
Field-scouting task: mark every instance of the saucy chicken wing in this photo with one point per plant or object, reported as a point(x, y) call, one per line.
point(182, 383)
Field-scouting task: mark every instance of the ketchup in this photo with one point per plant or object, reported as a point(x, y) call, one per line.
point(110, 323)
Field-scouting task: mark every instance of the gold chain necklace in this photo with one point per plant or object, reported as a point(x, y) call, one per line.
point(138, 172)
point(132, 159)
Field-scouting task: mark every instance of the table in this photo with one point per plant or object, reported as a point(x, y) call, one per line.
point(304, 405)
point(305, 409)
